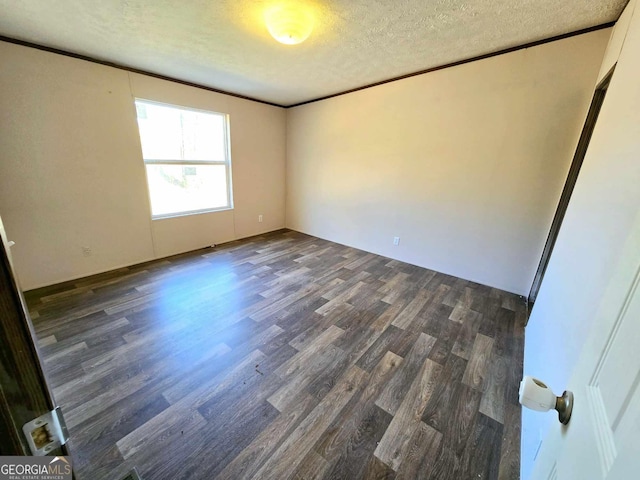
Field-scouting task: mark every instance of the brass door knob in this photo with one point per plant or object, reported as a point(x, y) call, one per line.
point(535, 395)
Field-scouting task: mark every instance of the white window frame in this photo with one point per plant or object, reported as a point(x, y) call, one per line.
point(190, 163)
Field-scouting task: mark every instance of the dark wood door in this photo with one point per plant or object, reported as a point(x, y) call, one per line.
point(24, 394)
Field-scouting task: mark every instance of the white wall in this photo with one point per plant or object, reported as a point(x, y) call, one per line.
point(465, 164)
point(597, 224)
point(71, 171)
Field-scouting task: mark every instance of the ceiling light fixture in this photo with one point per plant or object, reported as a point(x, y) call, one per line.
point(289, 22)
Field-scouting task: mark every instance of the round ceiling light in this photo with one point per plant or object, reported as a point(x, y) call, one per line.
point(289, 23)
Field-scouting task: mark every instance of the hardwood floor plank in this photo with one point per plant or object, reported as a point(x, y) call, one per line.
point(320, 324)
point(490, 309)
point(71, 350)
point(223, 438)
point(376, 470)
point(420, 453)
point(362, 338)
point(357, 451)
point(445, 341)
point(404, 343)
point(116, 421)
point(293, 450)
point(476, 372)
point(345, 289)
point(379, 348)
point(186, 407)
point(493, 398)
point(461, 419)
point(344, 297)
point(103, 401)
point(167, 434)
point(464, 343)
point(462, 305)
point(386, 319)
point(312, 467)
point(300, 360)
point(361, 261)
point(272, 308)
point(480, 458)
point(348, 424)
point(357, 321)
point(446, 465)
point(404, 319)
point(393, 288)
point(103, 464)
point(244, 466)
point(510, 302)
point(302, 377)
point(394, 445)
point(457, 293)
point(438, 409)
point(394, 392)
point(47, 340)
point(514, 372)
point(509, 468)
point(505, 320)
point(434, 314)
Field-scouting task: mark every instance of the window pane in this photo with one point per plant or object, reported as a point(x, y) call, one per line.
point(169, 133)
point(185, 188)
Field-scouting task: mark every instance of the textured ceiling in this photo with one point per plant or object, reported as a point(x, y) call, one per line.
point(224, 44)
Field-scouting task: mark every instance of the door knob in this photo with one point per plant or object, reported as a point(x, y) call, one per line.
point(535, 395)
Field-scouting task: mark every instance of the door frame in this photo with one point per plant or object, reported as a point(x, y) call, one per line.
point(570, 183)
point(24, 391)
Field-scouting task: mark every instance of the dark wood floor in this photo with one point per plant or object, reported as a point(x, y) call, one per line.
point(284, 356)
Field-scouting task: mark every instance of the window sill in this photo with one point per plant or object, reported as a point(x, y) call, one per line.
point(188, 214)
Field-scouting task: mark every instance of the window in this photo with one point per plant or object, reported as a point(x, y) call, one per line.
point(186, 153)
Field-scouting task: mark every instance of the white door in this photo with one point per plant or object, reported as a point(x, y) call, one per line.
point(602, 440)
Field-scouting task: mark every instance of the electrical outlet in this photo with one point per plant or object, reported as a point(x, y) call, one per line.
point(86, 251)
point(260, 218)
point(396, 240)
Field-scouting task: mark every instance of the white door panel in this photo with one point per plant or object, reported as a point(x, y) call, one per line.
point(602, 440)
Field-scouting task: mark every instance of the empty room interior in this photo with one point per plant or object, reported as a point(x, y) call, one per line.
point(321, 239)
